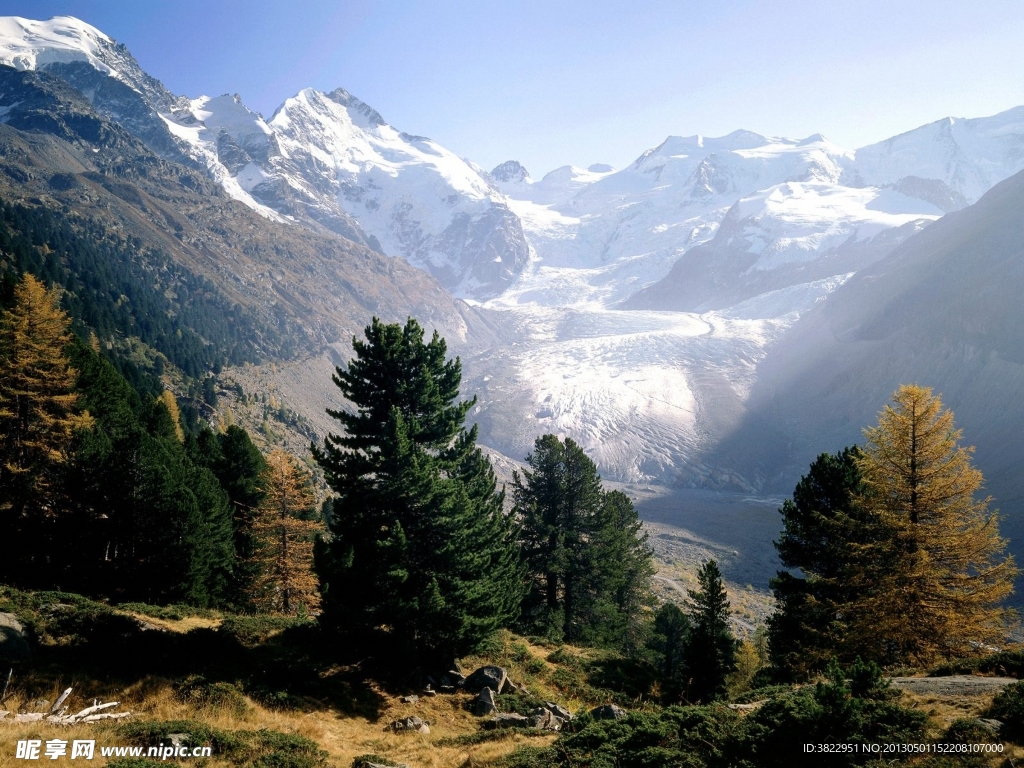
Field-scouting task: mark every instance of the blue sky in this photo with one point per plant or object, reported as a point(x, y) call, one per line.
point(551, 83)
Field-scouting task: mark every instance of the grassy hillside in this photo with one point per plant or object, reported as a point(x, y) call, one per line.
point(267, 691)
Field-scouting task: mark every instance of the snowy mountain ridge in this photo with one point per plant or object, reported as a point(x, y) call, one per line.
point(714, 245)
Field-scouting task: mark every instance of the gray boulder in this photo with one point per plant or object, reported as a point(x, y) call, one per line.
point(558, 710)
point(484, 704)
point(508, 720)
point(608, 712)
point(543, 719)
point(453, 679)
point(486, 677)
point(13, 640)
point(410, 724)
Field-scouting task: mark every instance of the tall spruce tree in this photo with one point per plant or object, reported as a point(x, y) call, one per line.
point(589, 563)
point(820, 523)
point(670, 634)
point(422, 565)
point(932, 586)
point(710, 654)
point(155, 525)
point(239, 467)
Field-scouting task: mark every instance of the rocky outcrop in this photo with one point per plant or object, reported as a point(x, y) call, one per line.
point(508, 720)
point(491, 677)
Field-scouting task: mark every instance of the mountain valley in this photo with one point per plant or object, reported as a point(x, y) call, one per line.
point(705, 319)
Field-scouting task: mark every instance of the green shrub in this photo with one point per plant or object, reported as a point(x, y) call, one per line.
point(520, 703)
point(530, 757)
point(760, 694)
point(676, 736)
point(1008, 706)
point(64, 618)
point(253, 630)
point(854, 706)
point(965, 731)
point(1006, 663)
point(261, 749)
point(284, 750)
point(564, 658)
point(828, 712)
point(151, 733)
point(196, 689)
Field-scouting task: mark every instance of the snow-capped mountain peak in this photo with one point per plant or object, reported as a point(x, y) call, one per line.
point(415, 197)
point(968, 156)
point(511, 171)
point(28, 44)
point(63, 44)
point(323, 157)
point(346, 99)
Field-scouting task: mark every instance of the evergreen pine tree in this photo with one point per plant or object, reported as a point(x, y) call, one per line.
point(587, 555)
point(283, 552)
point(152, 523)
point(710, 654)
point(422, 562)
point(932, 586)
point(239, 467)
point(820, 524)
point(670, 634)
point(619, 595)
point(38, 420)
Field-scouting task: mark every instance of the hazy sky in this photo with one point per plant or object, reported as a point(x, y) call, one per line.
point(556, 82)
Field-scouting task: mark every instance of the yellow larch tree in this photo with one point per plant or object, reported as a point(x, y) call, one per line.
point(171, 402)
point(284, 553)
point(932, 575)
point(38, 414)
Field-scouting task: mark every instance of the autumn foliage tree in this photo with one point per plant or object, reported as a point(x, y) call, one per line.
point(38, 420)
point(284, 550)
point(930, 583)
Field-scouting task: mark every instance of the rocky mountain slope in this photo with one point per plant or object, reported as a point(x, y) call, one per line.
point(302, 291)
point(322, 157)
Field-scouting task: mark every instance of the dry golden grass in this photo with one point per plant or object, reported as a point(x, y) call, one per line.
point(344, 738)
point(175, 625)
